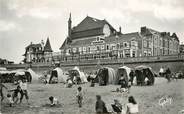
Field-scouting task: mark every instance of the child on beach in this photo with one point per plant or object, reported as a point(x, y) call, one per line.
point(10, 100)
point(79, 96)
point(15, 93)
point(24, 91)
point(53, 101)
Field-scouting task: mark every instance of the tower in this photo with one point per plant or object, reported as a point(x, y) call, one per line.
point(42, 44)
point(69, 26)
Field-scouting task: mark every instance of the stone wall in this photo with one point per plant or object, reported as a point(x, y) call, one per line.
point(174, 62)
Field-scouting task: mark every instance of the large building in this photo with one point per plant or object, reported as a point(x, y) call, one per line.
point(181, 48)
point(97, 39)
point(40, 52)
point(159, 43)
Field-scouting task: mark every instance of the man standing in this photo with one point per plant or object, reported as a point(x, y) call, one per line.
point(161, 72)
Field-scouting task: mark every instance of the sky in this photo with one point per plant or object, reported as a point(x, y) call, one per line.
point(25, 21)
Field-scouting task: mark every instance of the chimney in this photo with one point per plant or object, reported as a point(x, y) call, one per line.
point(143, 30)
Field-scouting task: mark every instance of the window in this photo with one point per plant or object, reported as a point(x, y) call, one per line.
point(145, 53)
point(98, 48)
point(84, 48)
point(145, 43)
point(74, 50)
point(149, 53)
point(133, 54)
point(88, 50)
point(127, 53)
point(107, 46)
point(118, 46)
point(98, 39)
point(149, 44)
point(80, 49)
point(133, 43)
point(121, 45)
point(126, 44)
point(102, 47)
point(113, 46)
point(93, 48)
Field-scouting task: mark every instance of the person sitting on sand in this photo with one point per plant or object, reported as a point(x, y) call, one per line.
point(53, 101)
point(100, 106)
point(69, 83)
point(132, 106)
point(117, 107)
point(10, 100)
point(124, 85)
point(15, 93)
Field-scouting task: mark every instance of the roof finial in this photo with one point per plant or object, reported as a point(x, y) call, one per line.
point(70, 15)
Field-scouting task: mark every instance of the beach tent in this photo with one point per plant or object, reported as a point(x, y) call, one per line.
point(106, 76)
point(142, 72)
point(28, 74)
point(21, 74)
point(75, 72)
point(59, 75)
point(123, 72)
point(81, 75)
point(35, 76)
point(4, 75)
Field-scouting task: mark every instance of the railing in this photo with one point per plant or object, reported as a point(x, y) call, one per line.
point(129, 60)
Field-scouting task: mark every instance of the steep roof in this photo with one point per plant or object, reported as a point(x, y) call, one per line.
point(47, 47)
point(148, 31)
point(33, 45)
point(89, 27)
point(89, 23)
point(175, 36)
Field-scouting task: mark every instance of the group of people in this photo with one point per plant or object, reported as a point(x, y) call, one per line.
point(131, 107)
point(166, 72)
point(100, 106)
point(13, 94)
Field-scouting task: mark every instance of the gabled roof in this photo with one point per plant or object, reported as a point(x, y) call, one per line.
point(89, 23)
point(63, 45)
point(149, 31)
point(175, 36)
point(47, 47)
point(89, 27)
point(123, 37)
